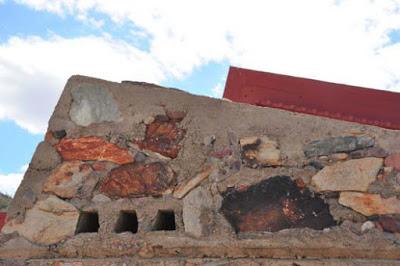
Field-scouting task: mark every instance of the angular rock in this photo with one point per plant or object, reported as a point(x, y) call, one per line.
point(389, 224)
point(338, 144)
point(260, 151)
point(275, 204)
point(48, 222)
point(186, 187)
point(92, 149)
point(352, 175)
point(368, 225)
point(370, 204)
point(377, 152)
point(138, 179)
point(67, 179)
point(163, 136)
point(197, 212)
point(45, 157)
point(393, 160)
point(91, 104)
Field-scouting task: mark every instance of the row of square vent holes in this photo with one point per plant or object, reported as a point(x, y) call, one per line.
point(127, 222)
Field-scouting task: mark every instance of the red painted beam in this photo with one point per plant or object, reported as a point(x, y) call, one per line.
point(338, 101)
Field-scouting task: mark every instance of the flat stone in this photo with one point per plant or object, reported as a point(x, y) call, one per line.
point(370, 204)
point(45, 157)
point(92, 149)
point(92, 104)
point(186, 187)
point(338, 144)
point(274, 204)
point(48, 222)
point(162, 136)
point(138, 179)
point(339, 156)
point(351, 175)
point(393, 160)
point(20, 248)
point(101, 198)
point(375, 151)
point(197, 212)
point(260, 151)
point(67, 179)
point(389, 224)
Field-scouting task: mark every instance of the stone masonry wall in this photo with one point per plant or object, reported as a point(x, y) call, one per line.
point(133, 170)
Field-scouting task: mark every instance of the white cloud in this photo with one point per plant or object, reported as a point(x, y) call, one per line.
point(10, 182)
point(342, 41)
point(33, 72)
point(218, 90)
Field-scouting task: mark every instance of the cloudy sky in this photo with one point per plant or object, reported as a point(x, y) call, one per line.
point(183, 44)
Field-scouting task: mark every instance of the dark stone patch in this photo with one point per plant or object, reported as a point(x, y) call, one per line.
point(338, 144)
point(377, 152)
point(275, 204)
point(389, 224)
point(138, 179)
point(59, 134)
point(163, 136)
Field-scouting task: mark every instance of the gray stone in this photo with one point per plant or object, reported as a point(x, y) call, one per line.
point(48, 222)
point(338, 144)
point(197, 212)
point(377, 152)
point(46, 157)
point(93, 104)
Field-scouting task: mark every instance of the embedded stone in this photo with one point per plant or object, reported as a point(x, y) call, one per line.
point(377, 152)
point(352, 175)
point(92, 104)
point(368, 225)
point(339, 156)
point(393, 160)
point(261, 151)
point(48, 222)
point(197, 212)
point(274, 204)
point(163, 136)
point(370, 204)
point(186, 187)
point(92, 149)
point(338, 145)
point(389, 224)
point(67, 179)
point(45, 157)
point(138, 179)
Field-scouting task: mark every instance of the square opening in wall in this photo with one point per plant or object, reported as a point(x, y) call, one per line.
point(165, 221)
point(88, 223)
point(127, 222)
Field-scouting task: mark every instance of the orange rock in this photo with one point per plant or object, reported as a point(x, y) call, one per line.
point(92, 149)
point(370, 204)
point(135, 180)
point(163, 136)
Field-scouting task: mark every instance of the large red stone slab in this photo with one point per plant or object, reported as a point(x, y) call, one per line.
point(135, 180)
point(163, 136)
point(92, 149)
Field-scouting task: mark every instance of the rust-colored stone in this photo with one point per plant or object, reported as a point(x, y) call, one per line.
point(275, 204)
point(163, 136)
point(389, 224)
point(370, 204)
point(92, 149)
point(393, 160)
point(135, 180)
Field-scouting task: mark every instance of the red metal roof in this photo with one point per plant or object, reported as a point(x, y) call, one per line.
point(338, 101)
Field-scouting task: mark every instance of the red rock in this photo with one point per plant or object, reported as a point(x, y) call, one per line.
point(393, 160)
point(99, 166)
point(220, 154)
point(176, 116)
point(135, 180)
point(389, 224)
point(163, 136)
point(92, 149)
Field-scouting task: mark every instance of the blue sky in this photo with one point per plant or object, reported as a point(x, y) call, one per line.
point(183, 44)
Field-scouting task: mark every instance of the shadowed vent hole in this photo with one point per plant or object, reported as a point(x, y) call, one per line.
point(88, 222)
point(127, 222)
point(165, 221)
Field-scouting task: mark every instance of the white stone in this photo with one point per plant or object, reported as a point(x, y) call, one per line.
point(368, 225)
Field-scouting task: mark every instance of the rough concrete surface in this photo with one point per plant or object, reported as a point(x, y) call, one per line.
point(156, 164)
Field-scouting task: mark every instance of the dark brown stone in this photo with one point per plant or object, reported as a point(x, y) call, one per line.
point(136, 179)
point(275, 204)
point(163, 136)
point(92, 149)
point(389, 224)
